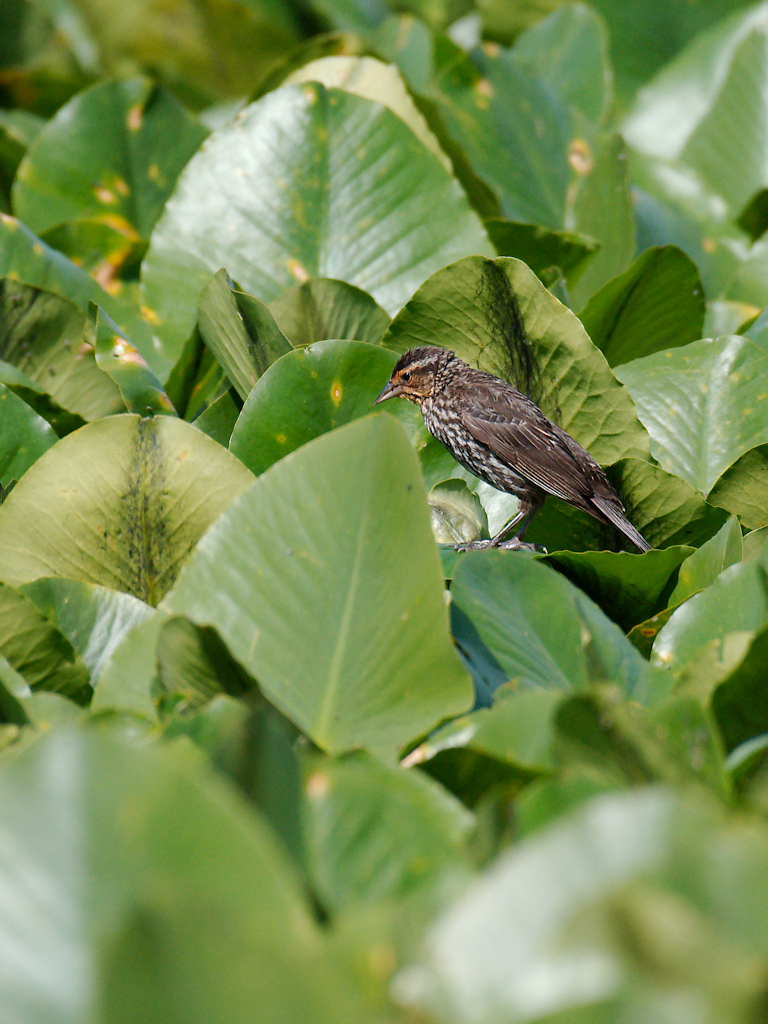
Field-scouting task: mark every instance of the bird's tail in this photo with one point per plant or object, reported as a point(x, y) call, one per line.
point(620, 521)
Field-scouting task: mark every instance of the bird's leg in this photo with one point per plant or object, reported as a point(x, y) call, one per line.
point(521, 519)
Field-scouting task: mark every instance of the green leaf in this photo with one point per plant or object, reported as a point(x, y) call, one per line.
point(128, 682)
point(124, 499)
point(141, 390)
point(373, 80)
point(517, 731)
point(739, 702)
point(24, 436)
point(708, 100)
point(705, 565)
point(94, 620)
point(569, 51)
point(37, 649)
point(312, 391)
point(602, 208)
point(514, 131)
point(320, 309)
point(627, 588)
point(41, 335)
point(333, 544)
point(39, 400)
point(402, 832)
point(542, 630)
point(218, 45)
point(634, 918)
point(737, 601)
point(502, 933)
point(219, 419)
point(743, 488)
point(663, 507)
point(540, 247)
point(497, 315)
point(240, 332)
point(14, 691)
point(193, 665)
point(702, 404)
point(345, 190)
point(621, 743)
point(146, 888)
point(657, 304)
point(105, 155)
point(25, 258)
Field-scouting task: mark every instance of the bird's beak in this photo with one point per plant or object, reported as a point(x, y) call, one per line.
point(389, 390)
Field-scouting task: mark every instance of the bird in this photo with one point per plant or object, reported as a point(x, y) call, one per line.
point(500, 435)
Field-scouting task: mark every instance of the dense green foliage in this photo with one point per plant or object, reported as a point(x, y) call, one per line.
point(268, 752)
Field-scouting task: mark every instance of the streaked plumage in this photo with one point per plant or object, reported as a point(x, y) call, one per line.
point(501, 436)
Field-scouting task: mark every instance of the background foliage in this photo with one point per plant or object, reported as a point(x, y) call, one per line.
point(267, 751)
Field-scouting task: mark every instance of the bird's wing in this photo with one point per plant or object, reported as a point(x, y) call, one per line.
point(519, 434)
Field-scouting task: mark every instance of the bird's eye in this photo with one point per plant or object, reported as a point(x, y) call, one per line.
point(405, 375)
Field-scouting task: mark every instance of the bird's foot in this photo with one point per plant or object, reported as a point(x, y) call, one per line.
point(513, 544)
point(474, 545)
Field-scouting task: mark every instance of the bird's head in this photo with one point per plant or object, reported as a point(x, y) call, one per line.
point(417, 374)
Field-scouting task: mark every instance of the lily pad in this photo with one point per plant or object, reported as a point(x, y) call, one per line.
point(704, 404)
point(320, 309)
point(657, 304)
point(384, 213)
point(120, 503)
point(104, 155)
point(311, 391)
point(333, 543)
point(24, 436)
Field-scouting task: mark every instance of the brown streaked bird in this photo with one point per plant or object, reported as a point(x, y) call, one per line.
point(504, 438)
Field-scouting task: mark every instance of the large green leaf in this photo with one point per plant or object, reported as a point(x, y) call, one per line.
point(513, 129)
point(141, 391)
point(105, 155)
point(665, 509)
point(737, 601)
point(24, 436)
point(311, 391)
point(373, 80)
point(41, 334)
point(24, 257)
point(94, 620)
point(543, 631)
point(709, 99)
point(120, 502)
point(657, 304)
point(36, 648)
point(602, 208)
point(628, 589)
point(705, 565)
point(615, 912)
point(145, 891)
point(401, 831)
point(569, 51)
point(333, 544)
point(743, 488)
point(240, 332)
point(497, 315)
point(320, 309)
point(308, 182)
point(203, 50)
point(702, 404)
